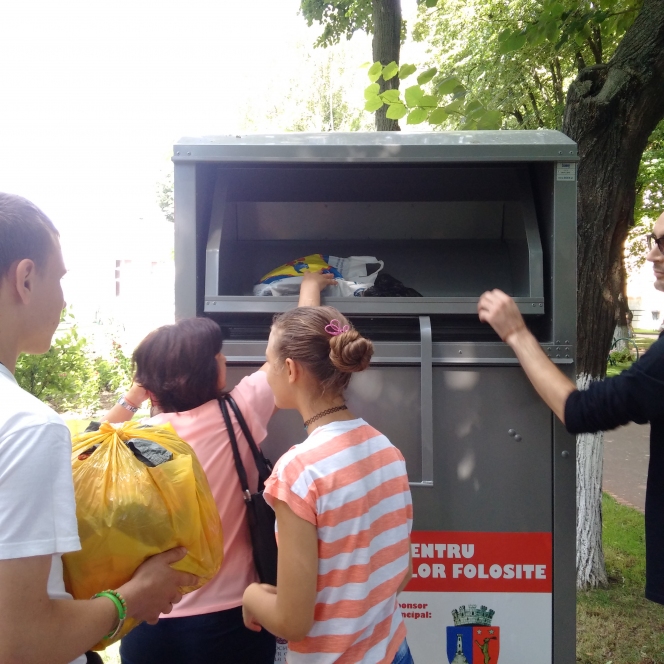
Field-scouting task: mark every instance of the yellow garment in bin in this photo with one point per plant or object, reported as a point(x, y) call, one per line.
point(128, 511)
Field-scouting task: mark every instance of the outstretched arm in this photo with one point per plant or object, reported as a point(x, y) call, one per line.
point(312, 285)
point(501, 312)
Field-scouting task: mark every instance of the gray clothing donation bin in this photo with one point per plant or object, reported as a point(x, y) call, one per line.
point(450, 215)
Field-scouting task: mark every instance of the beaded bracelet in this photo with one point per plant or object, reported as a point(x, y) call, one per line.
point(120, 605)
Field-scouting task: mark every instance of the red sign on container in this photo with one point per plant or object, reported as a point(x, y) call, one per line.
point(481, 562)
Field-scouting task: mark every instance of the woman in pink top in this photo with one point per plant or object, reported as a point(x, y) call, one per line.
point(182, 370)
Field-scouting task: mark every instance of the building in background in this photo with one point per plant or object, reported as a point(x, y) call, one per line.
point(121, 287)
point(645, 303)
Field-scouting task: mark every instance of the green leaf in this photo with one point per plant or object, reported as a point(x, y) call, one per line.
point(448, 85)
point(406, 71)
point(454, 107)
point(505, 46)
point(390, 71)
point(557, 10)
point(375, 71)
point(371, 91)
point(438, 116)
point(518, 41)
point(490, 120)
point(563, 38)
point(390, 96)
point(459, 92)
point(540, 34)
point(431, 3)
point(531, 33)
point(514, 43)
point(426, 76)
point(504, 35)
point(373, 104)
point(429, 101)
point(414, 95)
point(417, 116)
point(396, 111)
point(364, 65)
point(551, 31)
point(474, 108)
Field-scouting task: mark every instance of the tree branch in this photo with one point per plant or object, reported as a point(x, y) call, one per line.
point(533, 101)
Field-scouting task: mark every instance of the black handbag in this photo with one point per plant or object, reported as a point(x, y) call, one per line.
point(259, 514)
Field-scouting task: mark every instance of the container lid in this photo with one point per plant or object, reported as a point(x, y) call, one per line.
point(384, 147)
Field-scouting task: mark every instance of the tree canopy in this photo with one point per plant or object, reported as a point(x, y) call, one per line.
point(504, 65)
point(339, 19)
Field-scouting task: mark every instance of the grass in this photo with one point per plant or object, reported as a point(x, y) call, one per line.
point(618, 625)
point(643, 343)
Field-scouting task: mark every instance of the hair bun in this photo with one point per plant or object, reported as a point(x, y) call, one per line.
point(350, 352)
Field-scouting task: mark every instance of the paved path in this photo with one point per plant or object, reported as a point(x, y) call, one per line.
point(626, 455)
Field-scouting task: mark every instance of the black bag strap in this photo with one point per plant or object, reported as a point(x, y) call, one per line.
point(239, 466)
point(263, 466)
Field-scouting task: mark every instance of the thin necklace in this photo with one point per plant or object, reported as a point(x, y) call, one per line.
point(329, 411)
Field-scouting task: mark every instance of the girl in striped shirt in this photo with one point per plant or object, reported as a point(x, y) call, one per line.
point(342, 503)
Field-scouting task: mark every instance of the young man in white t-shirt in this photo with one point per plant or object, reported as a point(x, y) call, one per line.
point(39, 620)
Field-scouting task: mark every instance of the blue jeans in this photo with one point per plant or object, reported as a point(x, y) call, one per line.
point(403, 655)
point(211, 638)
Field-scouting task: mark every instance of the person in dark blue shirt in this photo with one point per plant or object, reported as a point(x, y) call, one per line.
point(636, 395)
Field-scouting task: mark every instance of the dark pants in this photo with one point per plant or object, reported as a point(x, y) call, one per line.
point(211, 638)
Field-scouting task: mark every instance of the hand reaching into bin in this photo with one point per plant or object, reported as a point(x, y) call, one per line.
point(501, 312)
point(312, 285)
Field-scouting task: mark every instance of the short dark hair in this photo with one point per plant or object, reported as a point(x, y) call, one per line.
point(25, 232)
point(177, 364)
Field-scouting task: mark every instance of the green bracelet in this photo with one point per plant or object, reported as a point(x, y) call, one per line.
point(120, 605)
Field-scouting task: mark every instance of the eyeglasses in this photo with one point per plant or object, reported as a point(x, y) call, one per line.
point(654, 240)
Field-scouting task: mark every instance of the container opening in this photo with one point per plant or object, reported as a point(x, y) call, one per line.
point(447, 232)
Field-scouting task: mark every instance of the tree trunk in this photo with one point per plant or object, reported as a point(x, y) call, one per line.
point(611, 111)
point(386, 46)
point(590, 570)
point(623, 329)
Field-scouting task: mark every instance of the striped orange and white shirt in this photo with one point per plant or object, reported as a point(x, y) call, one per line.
point(351, 483)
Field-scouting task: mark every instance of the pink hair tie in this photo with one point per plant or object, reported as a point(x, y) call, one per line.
point(334, 328)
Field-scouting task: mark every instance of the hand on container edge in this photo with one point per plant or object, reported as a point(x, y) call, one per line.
point(312, 284)
point(500, 311)
point(155, 586)
point(320, 278)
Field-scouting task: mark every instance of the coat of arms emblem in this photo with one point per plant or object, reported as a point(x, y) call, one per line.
point(472, 639)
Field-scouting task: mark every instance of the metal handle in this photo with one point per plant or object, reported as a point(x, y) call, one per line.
point(214, 238)
point(426, 396)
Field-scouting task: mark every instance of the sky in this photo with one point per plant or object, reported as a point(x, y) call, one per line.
point(95, 93)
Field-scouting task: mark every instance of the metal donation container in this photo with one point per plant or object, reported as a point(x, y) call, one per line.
point(451, 215)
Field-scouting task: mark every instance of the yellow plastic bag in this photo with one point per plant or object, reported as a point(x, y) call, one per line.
point(128, 511)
